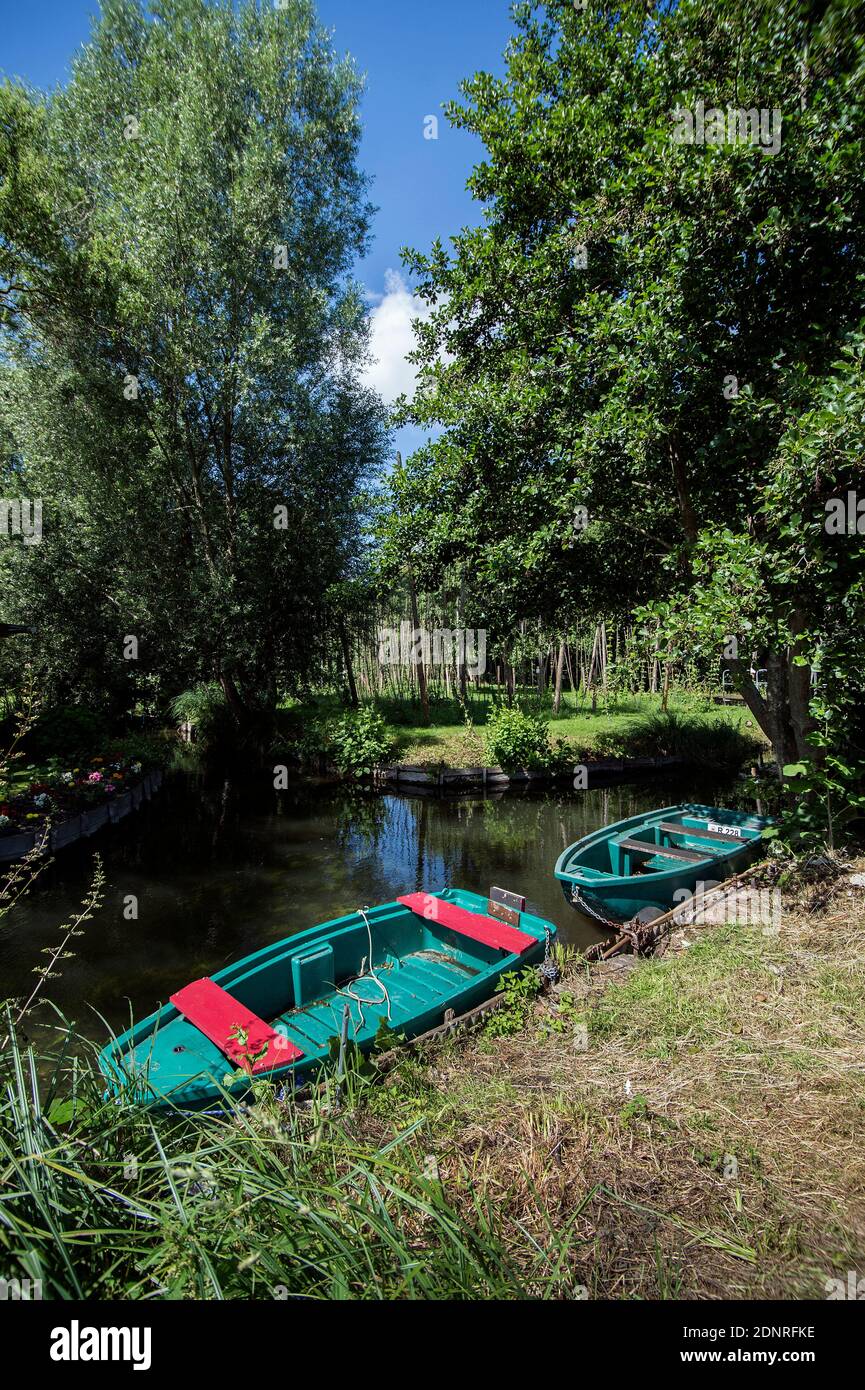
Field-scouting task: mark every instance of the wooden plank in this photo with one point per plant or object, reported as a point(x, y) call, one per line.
point(690, 856)
point(669, 828)
point(219, 1016)
point(473, 924)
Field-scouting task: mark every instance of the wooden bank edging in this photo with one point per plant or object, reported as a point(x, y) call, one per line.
point(407, 775)
point(84, 825)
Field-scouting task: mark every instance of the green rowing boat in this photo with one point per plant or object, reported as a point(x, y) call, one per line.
point(652, 861)
point(408, 964)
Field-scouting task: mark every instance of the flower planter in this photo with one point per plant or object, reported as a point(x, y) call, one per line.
point(94, 820)
point(66, 832)
point(13, 846)
point(120, 806)
point(85, 823)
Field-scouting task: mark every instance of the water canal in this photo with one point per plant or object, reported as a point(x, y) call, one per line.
point(216, 869)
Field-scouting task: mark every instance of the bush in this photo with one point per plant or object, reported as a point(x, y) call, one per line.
point(151, 750)
point(513, 738)
point(64, 731)
point(712, 742)
point(206, 707)
point(358, 741)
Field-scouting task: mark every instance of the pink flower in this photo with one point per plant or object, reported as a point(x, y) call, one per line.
point(95, 777)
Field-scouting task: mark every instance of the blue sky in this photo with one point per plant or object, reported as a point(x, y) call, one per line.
point(414, 53)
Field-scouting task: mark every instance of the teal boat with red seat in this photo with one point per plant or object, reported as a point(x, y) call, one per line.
point(641, 864)
point(408, 964)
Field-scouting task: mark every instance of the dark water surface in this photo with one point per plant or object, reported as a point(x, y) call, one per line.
point(220, 869)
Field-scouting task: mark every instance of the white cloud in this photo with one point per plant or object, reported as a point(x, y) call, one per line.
point(392, 339)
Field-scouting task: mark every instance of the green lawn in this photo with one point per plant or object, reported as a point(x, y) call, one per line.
point(452, 741)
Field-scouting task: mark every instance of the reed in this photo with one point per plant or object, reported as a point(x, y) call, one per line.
point(266, 1199)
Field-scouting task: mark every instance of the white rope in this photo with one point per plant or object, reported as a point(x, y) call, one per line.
point(363, 973)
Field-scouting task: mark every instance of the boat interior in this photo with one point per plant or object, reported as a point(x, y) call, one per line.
point(290, 1001)
point(658, 845)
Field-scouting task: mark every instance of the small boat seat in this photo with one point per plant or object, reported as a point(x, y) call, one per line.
point(474, 924)
point(219, 1016)
point(689, 856)
point(690, 832)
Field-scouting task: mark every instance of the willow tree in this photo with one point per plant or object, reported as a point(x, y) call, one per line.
point(670, 259)
point(183, 340)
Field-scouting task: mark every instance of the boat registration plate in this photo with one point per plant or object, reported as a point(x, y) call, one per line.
point(732, 830)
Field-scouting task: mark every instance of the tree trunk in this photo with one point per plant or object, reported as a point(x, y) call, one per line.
point(235, 702)
point(786, 732)
point(421, 673)
point(666, 693)
point(560, 666)
point(683, 492)
point(346, 656)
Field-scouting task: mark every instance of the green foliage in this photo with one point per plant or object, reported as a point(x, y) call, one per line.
point(151, 750)
point(358, 741)
point(710, 742)
point(182, 347)
point(65, 731)
point(792, 586)
point(268, 1200)
point(679, 382)
point(520, 989)
point(206, 707)
point(517, 738)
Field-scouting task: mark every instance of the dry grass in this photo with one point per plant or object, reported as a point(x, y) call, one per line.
point(706, 1141)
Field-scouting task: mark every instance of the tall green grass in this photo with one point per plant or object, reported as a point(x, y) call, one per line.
point(267, 1199)
point(710, 741)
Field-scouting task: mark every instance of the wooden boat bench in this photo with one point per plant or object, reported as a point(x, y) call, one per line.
point(716, 836)
point(219, 1016)
point(474, 924)
point(689, 856)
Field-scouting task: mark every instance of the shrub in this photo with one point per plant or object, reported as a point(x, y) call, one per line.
point(205, 706)
point(713, 742)
point(64, 731)
point(515, 738)
point(151, 750)
point(358, 741)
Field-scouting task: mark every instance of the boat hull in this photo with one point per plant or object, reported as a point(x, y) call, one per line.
point(600, 876)
point(305, 987)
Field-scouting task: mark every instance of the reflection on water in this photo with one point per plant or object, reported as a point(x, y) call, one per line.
point(218, 870)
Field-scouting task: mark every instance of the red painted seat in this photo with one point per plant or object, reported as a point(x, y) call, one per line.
point(219, 1016)
point(474, 924)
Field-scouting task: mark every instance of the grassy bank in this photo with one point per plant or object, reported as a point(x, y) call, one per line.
point(620, 726)
point(684, 1127)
